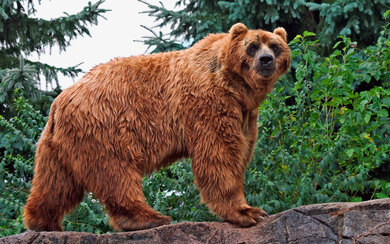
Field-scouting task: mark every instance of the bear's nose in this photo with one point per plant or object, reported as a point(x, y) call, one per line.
point(266, 60)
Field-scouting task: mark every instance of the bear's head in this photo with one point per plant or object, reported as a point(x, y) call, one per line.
point(258, 56)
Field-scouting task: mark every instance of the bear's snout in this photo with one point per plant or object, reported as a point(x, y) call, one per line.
point(266, 65)
point(266, 60)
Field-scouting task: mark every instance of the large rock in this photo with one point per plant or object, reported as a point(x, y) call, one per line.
point(365, 222)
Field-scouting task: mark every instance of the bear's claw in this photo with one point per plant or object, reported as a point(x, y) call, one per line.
point(249, 216)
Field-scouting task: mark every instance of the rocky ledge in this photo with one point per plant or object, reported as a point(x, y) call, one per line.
point(364, 222)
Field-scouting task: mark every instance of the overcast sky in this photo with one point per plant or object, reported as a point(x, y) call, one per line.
point(113, 37)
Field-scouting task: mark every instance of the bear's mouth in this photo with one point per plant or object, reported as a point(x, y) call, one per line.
point(265, 65)
point(266, 72)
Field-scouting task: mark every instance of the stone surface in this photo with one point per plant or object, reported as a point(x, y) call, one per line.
point(365, 222)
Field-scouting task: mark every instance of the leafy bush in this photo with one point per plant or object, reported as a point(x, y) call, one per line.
point(321, 149)
point(173, 192)
point(18, 136)
point(322, 140)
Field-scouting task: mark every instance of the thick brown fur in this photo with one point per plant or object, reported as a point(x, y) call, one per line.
point(131, 116)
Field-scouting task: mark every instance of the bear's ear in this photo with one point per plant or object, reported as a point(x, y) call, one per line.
point(237, 30)
point(281, 32)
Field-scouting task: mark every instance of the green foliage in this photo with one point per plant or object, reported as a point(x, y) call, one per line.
point(18, 136)
point(89, 216)
point(17, 78)
point(172, 192)
point(162, 44)
point(23, 34)
point(20, 32)
point(195, 19)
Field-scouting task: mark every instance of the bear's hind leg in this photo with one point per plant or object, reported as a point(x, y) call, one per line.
point(121, 192)
point(54, 192)
point(139, 216)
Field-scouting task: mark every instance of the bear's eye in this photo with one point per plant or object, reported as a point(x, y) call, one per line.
point(276, 49)
point(252, 49)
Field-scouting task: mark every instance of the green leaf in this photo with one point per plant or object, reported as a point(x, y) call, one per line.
point(3, 14)
point(367, 118)
point(386, 101)
point(295, 40)
point(362, 105)
point(89, 228)
point(69, 226)
point(350, 152)
point(387, 187)
point(381, 195)
point(356, 199)
point(308, 33)
point(383, 113)
point(386, 13)
point(337, 44)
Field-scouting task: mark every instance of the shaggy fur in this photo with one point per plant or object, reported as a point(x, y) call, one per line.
point(131, 116)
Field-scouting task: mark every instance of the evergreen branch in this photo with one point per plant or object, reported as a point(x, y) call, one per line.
point(34, 34)
point(51, 72)
point(162, 44)
point(48, 71)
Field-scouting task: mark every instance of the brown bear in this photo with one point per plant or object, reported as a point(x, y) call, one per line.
point(131, 116)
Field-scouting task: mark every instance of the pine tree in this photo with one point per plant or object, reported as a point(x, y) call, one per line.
point(22, 34)
point(361, 20)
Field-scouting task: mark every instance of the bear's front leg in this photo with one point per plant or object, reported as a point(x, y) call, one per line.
point(250, 133)
point(219, 161)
